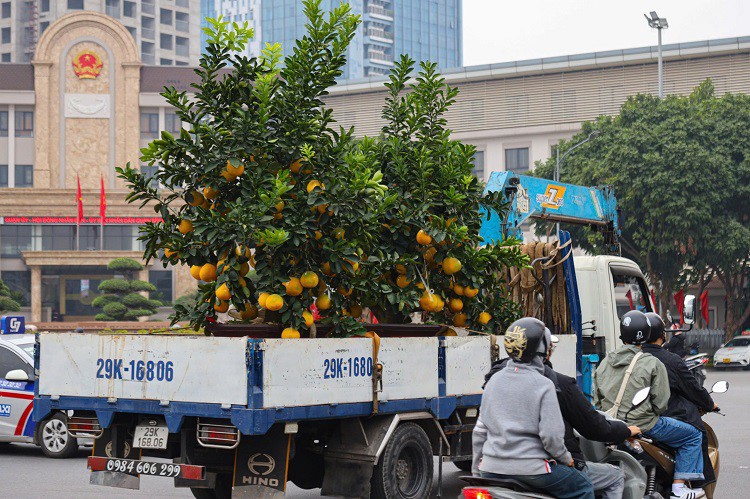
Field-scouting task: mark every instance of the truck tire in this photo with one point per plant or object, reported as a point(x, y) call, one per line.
point(52, 436)
point(463, 465)
point(404, 470)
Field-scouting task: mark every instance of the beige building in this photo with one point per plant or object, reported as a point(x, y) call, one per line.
point(167, 32)
point(84, 105)
point(515, 112)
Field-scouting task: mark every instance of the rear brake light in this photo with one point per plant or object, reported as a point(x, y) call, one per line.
point(474, 493)
point(216, 435)
point(83, 426)
point(704, 360)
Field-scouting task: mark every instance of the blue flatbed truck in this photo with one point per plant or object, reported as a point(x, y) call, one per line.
point(241, 417)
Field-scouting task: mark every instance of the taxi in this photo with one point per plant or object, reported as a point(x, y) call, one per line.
point(17, 401)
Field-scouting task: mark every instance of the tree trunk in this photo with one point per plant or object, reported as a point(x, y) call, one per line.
point(738, 310)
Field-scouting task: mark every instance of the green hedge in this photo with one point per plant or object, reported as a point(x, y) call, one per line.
point(117, 286)
point(116, 310)
point(124, 265)
point(102, 300)
point(141, 286)
point(135, 300)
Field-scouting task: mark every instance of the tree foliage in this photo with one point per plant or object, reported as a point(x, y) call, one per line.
point(681, 171)
point(8, 302)
point(261, 188)
point(121, 299)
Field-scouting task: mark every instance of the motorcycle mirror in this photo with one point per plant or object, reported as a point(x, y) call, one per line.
point(641, 396)
point(688, 310)
point(720, 387)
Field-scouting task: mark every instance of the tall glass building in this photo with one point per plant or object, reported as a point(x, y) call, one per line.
point(426, 30)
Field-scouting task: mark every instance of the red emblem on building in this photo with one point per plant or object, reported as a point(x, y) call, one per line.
point(87, 64)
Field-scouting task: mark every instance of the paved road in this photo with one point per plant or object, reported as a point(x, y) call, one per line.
point(26, 473)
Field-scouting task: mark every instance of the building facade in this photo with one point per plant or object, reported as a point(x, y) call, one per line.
point(424, 30)
point(166, 31)
point(515, 112)
point(85, 105)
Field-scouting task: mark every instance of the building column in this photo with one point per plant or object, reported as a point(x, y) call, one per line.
point(143, 276)
point(36, 293)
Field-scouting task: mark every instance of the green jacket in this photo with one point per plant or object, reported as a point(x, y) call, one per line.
point(648, 371)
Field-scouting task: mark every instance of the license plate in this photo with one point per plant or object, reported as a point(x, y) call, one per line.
point(727, 361)
point(150, 437)
point(132, 466)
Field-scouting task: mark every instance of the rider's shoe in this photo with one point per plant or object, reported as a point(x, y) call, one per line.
point(688, 493)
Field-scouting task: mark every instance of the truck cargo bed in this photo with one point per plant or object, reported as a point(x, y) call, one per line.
point(257, 382)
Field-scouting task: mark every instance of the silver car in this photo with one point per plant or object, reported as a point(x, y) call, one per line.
point(735, 353)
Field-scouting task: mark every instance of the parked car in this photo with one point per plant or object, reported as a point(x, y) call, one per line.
point(735, 353)
point(17, 401)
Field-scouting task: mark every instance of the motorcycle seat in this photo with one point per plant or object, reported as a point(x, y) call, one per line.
point(506, 483)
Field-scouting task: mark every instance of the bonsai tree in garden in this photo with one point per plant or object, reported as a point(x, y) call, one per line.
point(275, 210)
point(122, 298)
point(8, 303)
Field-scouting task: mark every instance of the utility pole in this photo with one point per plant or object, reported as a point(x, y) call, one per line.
point(659, 23)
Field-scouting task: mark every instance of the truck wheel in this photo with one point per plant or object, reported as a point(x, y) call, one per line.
point(52, 436)
point(306, 470)
point(222, 489)
point(463, 465)
point(404, 470)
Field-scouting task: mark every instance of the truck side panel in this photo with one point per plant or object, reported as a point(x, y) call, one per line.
point(145, 367)
point(467, 360)
point(308, 372)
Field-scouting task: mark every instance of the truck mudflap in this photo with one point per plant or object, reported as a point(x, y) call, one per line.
point(261, 465)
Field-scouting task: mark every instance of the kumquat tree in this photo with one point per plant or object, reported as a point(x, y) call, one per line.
point(275, 210)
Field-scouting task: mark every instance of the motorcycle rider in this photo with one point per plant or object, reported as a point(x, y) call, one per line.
point(627, 370)
point(687, 397)
point(578, 414)
point(520, 433)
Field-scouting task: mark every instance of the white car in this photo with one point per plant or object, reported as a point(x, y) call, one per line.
point(736, 353)
point(17, 401)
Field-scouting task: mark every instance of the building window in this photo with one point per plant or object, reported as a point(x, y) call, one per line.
point(45, 5)
point(128, 9)
point(118, 237)
point(58, 237)
point(149, 125)
point(6, 10)
point(147, 27)
point(172, 123)
point(181, 63)
point(3, 123)
point(6, 57)
point(147, 6)
point(14, 239)
point(5, 35)
point(88, 240)
point(182, 22)
point(3, 175)
point(113, 8)
point(517, 160)
point(75, 4)
point(24, 176)
point(24, 123)
point(150, 171)
point(165, 41)
point(183, 46)
point(162, 281)
point(147, 52)
point(43, 26)
point(478, 160)
point(183, 3)
point(165, 17)
point(165, 62)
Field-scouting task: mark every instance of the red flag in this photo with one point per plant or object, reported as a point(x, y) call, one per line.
point(679, 300)
point(102, 202)
point(629, 296)
point(653, 297)
point(79, 201)
point(704, 306)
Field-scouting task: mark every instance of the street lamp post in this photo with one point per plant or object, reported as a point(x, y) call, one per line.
point(659, 23)
point(559, 160)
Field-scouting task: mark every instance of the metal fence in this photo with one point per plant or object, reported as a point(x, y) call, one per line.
point(709, 340)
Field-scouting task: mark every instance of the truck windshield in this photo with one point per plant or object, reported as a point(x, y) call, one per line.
point(631, 292)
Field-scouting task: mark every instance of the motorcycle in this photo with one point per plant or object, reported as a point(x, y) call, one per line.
point(648, 466)
point(697, 365)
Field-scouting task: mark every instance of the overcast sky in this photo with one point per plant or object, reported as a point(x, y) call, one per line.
point(510, 30)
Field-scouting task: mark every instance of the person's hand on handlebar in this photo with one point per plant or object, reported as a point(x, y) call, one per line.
point(634, 430)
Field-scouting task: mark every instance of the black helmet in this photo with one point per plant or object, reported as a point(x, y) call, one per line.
point(635, 328)
point(526, 338)
point(657, 326)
